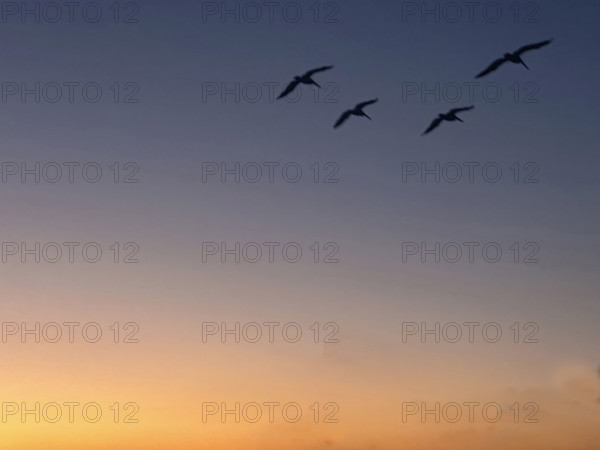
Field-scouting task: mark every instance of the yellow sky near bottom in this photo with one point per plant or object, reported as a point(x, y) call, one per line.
point(170, 417)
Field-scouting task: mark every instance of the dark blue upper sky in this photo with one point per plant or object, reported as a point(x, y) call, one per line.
point(173, 56)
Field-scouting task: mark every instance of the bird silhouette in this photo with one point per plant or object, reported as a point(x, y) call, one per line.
point(514, 57)
point(450, 116)
point(356, 111)
point(304, 79)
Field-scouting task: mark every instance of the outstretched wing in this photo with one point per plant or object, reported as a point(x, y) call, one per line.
point(457, 110)
point(342, 119)
point(526, 48)
point(290, 87)
point(433, 126)
point(492, 67)
point(367, 103)
point(320, 69)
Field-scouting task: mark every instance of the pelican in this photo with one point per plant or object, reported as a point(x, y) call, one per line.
point(356, 111)
point(513, 57)
point(450, 116)
point(304, 79)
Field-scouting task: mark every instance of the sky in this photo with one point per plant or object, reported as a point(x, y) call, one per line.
point(131, 137)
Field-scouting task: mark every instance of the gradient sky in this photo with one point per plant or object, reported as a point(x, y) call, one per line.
point(172, 55)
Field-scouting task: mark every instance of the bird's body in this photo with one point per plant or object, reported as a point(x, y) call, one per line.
point(450, 116)
point(303, 79)
point(514, 57)
point(356, 111)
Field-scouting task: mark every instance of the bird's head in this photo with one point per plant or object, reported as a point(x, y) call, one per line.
point(508, 55)
point(297, 78)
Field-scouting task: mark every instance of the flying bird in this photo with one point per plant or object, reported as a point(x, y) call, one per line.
point(450, 116)
point(356, 111)
point(304, 79)
point(513, 57)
